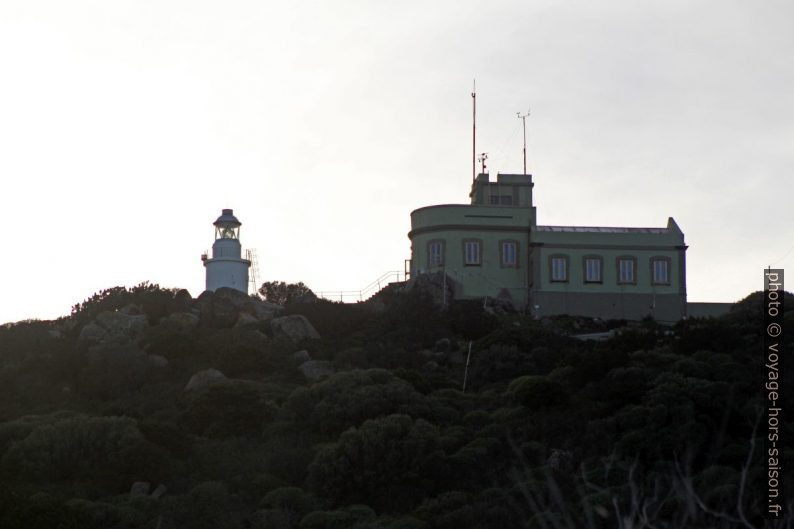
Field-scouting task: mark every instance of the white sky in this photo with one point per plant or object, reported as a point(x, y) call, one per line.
point(125, 127)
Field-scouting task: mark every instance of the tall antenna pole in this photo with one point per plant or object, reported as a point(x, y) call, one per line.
point(474, 132)
point(523, 118)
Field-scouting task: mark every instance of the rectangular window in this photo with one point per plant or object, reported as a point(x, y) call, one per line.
point(504, 200)
point(592, 270)
point(509, 253)
point(559, 269)
point(626, 270)
point(471, 252)
point(435, 253)
point(661, 272)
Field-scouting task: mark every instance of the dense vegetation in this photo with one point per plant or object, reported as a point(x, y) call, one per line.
point(655, 427)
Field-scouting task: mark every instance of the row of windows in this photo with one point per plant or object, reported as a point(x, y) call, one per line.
point(472, 253)
point(626, 267)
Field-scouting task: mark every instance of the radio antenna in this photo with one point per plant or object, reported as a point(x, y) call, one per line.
point(474, 131)
point(523, 118)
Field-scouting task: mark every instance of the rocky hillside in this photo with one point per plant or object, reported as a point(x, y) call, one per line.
point(146, 408)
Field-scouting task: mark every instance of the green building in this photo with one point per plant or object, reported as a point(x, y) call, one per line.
point(493, 248)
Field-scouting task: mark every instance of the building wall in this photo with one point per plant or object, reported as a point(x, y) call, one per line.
point(226, 268)
point(231, 273)
point(609, 298)
point(453, 226)
point(629, 306)
point(491, 277)
point(529, 283)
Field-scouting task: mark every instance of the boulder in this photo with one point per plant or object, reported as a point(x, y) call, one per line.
point(158, 361)
point(91, 334)
point(222, 308)
point(301, 356)
point(122, 325)
point(183, 320)
point(246, 320)
point(315, 370)
point(440, 289)
point(443, 345)
point(203, 379)
point(295, 327)
point(223, 313)
point(236, 297)
point(140, 488)
point(159, 491)
point(262, 310)
point(183, 299)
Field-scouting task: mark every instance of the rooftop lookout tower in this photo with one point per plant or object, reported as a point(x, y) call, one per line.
point(226, 267)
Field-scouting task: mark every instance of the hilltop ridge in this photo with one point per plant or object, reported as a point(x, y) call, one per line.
point(148, 408)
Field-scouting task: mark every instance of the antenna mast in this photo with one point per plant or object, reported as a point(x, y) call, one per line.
point(523, 118)
point(474, 132)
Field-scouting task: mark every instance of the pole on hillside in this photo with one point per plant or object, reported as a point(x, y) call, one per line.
point(466, 371)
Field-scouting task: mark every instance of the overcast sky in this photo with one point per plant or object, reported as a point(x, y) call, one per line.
point(125, 127)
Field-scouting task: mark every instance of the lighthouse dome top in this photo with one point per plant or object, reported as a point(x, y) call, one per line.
point(227, 219)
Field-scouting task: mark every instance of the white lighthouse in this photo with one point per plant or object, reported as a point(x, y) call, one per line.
point(227, 268)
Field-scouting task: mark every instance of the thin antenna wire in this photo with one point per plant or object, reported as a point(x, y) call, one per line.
point(474, 132)
point(784, 256)
point(523, 118)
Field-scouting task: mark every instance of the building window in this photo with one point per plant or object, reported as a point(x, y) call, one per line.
point(592, 270)
point(471, 253)
point(509, 253)
point(501, 200)
point(559, 268)
point(627, 270)
point(660, 270)
point(435, 253)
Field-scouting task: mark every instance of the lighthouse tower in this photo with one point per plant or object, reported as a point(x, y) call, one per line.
point(227, 268)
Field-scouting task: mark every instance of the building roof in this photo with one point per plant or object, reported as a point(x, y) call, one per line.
point(600, 229)
point(671, 227)
point(227, 218)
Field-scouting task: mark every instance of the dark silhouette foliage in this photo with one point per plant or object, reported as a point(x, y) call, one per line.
point(656, 426)
point(282, 293)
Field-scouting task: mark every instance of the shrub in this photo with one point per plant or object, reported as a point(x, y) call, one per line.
point(106, 453)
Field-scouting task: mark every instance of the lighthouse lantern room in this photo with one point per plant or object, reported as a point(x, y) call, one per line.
point(227, 268)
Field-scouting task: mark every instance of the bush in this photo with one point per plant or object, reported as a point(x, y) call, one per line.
point(282, 293)
point(536, 392)
point(230, 408)
point(155, 301)
point(386, 463)
point(98, 453)
point(349, 398)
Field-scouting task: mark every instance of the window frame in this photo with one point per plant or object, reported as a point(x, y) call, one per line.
point(668, 270)
point(600, 260)
point(631, 259)
point(516, 260)
point(566, 268)
point(443, 244)
point(478, 243)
